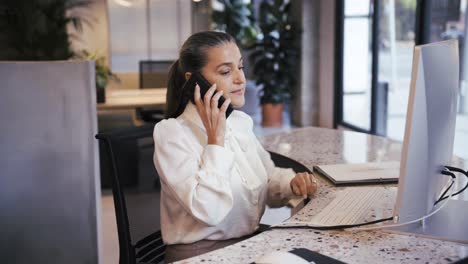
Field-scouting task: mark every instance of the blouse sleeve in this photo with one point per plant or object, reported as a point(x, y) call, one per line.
point(279, 179)
point(200, 183)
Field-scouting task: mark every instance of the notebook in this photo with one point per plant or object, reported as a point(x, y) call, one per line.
point(360, 173)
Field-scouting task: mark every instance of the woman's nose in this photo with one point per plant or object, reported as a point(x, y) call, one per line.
point(239, 77)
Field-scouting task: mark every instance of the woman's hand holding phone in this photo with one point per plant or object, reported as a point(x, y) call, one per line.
point(213, 118)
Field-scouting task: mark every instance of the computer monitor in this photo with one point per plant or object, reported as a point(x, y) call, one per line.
point(428, 144)
point(154, 74)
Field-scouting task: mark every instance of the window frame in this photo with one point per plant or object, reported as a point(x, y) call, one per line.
point(422, 36)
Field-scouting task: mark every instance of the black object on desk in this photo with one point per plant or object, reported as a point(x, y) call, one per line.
point(316, 257)
point(286, 162)
point(305, 254)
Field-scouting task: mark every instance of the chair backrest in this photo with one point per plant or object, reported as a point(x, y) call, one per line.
point(49, 179)
point(136, 192)
point(286, 162)
point(154, 74)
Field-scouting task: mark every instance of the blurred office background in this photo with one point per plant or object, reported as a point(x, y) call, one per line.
point(354, 64)
point(353, 69)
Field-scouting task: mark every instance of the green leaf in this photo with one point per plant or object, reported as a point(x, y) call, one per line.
point(236, 19)
point(38, 31)
point(275, 56)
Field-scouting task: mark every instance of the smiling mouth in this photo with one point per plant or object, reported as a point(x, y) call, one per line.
point(238, 91)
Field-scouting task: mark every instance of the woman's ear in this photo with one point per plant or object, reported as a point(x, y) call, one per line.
point(187, 75)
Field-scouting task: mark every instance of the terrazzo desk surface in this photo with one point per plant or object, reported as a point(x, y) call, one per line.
point(312, 146)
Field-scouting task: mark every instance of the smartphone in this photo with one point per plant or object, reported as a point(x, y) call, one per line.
point(197, 78)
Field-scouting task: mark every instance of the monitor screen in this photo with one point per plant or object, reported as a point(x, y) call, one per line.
point(154, 74)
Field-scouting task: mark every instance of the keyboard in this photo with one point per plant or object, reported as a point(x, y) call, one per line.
point(350, 206)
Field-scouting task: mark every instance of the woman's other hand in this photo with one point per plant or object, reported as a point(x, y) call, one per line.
point(304, 184)
point(213, 118)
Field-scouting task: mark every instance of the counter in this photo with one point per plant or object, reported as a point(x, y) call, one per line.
point(312, 146)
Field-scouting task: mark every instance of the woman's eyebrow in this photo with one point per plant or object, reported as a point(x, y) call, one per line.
point(229, 64)
point(225, 64)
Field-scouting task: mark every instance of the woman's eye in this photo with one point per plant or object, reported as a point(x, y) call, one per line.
point(241, 68)
point(225, 72)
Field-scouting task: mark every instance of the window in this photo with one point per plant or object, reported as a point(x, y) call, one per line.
point(357, 63)
point(448, 20)
point(375, 41)
point(146, 30)
point(395, 51)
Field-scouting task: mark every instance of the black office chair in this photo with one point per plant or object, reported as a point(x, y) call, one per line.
point(137, 204)
point(286, 162)
point(153, 74)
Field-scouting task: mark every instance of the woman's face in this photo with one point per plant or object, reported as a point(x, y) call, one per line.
point(225, 68)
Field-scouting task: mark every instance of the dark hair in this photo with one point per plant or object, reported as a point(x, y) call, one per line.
point(192, 58)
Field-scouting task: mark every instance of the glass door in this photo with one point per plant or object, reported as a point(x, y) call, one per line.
point(355, 63)
point(375, 41)
point(396, 42)
point(448, 21)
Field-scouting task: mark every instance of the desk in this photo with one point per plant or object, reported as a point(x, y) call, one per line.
point(325, 146)
point(133, 98)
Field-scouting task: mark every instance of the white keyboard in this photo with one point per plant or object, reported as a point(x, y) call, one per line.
point(350, 206)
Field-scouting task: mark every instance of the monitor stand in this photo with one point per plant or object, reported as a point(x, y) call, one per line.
point(450, 223)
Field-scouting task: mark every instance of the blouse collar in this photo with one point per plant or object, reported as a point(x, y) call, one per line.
point(191, 115)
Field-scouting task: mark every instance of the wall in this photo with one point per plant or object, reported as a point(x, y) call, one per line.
point(305, 108)
point(201, 16)
point(95, 36)
point(314, 104)
point(327, 63)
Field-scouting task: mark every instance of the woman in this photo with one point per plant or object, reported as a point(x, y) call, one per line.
point(216, 177)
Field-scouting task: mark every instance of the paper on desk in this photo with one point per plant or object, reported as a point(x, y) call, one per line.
point(361, 172)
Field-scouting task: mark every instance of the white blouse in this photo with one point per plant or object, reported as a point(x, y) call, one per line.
point(213, 192)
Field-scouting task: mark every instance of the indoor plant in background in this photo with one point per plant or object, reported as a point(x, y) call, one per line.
point(37, 29)
point(275, 59)
point(235, 17)
point(103, 73)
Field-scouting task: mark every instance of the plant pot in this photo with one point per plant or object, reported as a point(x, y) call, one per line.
point(272, 115)
point(101, 95)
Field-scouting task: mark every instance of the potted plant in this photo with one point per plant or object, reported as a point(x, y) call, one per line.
point(275, 59)
point(37, 29)
point(103, 73)
point(235, 17)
